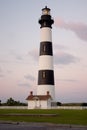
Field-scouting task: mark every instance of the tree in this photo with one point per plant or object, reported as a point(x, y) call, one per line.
point(84, 104)
point(10, 102)
point(59, 104)
point(0, 103)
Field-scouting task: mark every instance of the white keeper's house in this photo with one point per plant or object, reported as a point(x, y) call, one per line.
point(39, 101)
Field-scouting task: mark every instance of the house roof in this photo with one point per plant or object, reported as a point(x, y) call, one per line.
point(39, 97)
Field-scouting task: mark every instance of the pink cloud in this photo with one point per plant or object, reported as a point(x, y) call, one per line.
point(0, 69)
point(24, 84)
point(79, 28)
point(29, 77)
point(1, 75)
point(34, 54)
point(64, 58)
point(60, 57)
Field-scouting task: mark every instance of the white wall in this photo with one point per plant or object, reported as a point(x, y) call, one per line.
point(46, 34)
point(39, 104)
point(13, 107)
point(45, 62)
point(42, 90)
point(31, 104)
point(70, 107)
point(57, 107)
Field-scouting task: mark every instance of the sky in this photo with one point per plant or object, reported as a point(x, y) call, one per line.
point(19, 48)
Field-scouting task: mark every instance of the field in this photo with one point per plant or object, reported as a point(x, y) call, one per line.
point(77, 117)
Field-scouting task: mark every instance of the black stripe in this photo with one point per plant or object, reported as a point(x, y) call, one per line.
point(46, 21)
point(46, 77)
point(46, 48)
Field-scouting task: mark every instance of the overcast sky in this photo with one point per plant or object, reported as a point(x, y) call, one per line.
point(19, 48)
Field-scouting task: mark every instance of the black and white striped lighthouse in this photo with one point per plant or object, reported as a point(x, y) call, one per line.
point(46, 72)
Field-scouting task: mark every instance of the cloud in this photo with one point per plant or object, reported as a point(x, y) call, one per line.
point(9, 71)
point(29, 77)
point(64, 58)
point(27, 81)
point(60, 47)
point(24, 84)
point(34, 54)
point(67, 80)
point(17, 56)
point(0, 69)
point(60, 57)
point(1, 75)
point(80, 29)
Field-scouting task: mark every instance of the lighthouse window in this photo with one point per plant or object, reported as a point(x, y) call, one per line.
point(43, 74)
point(46, 12)
point(44, 23)
point(44, 48)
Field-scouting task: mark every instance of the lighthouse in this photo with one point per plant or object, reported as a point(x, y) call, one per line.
point(45, 97)
point(46, 72)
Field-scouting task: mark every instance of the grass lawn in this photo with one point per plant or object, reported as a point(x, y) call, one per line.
point(78, 117)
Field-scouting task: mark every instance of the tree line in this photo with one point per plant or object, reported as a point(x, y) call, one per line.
point(71, 104)
point(12, 102)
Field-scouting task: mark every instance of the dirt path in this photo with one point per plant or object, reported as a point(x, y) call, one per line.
point(38, 126)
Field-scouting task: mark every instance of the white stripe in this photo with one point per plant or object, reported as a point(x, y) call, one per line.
point(42, 90)
point(45, 62)
point(46, 34)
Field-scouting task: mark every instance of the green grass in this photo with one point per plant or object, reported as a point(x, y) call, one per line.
point(78, 117)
